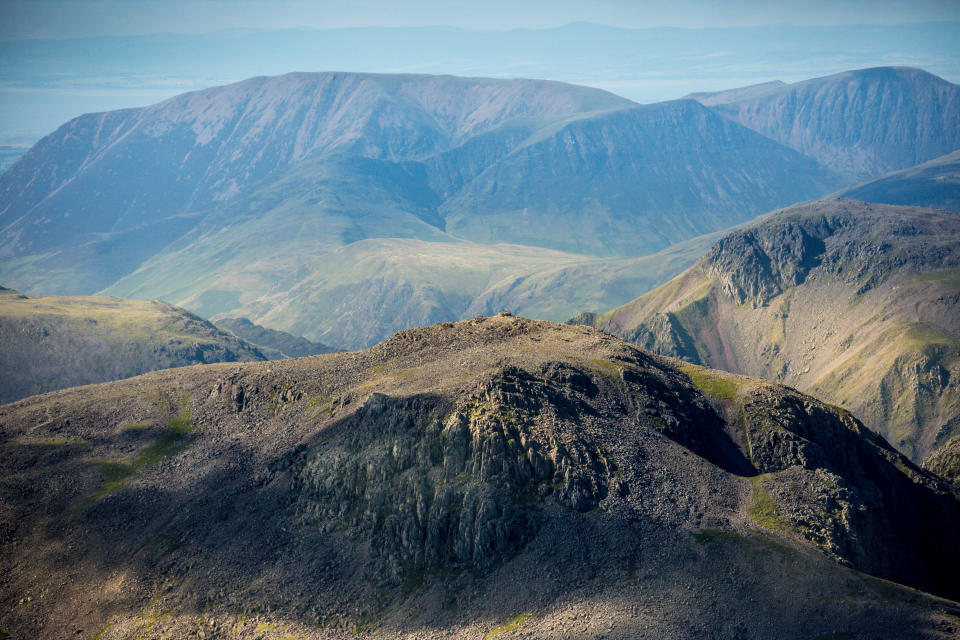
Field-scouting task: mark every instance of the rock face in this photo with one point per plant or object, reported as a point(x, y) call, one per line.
point(855, 303)
point(272, 343)
point(457, 480)
point(945, 462)
point(868, 122)
point(53, 342)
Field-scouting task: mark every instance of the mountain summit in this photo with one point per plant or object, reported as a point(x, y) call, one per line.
point(867, 122)
point(464, 480)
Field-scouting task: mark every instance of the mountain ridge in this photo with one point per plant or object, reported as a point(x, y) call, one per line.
point(53, 342)
point(914, 117)
point(375, 493)
point(849, 301)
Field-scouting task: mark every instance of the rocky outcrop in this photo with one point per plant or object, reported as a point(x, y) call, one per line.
point(945, 462)
point(844, 488)
point(755, 265)
point(437, 488)
point(450, 477)
point(852, 302)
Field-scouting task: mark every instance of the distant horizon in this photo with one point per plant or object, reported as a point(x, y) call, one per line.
point(49, 80)
point(385, 27)
point(28, 19)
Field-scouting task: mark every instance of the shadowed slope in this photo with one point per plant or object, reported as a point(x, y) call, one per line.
point(460, 480)
point(934, 184)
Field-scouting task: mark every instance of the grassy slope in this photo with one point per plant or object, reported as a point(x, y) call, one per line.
point(358, 295)
point(888, 351)
point(52, 342)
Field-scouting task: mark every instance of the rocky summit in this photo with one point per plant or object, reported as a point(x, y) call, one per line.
point(497, 477)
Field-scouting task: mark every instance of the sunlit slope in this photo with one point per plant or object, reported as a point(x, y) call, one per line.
point(855, 303)
point(52, 342)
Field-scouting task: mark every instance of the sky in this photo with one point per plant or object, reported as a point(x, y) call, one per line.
point(20, 19)
point(62, 58)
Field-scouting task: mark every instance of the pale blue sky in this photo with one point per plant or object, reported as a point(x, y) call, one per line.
point(45, 82)
point(71, 18)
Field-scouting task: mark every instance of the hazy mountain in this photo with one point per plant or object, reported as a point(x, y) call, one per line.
point(631, 182)
point(868, 122)
point(120, 186)
point(46, 82)
point(852, 302)
point(934, 184)
point(244, 200)
point(53, 342)
point(273, 344)
point(464, 480)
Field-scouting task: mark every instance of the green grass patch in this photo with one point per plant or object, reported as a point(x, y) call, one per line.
point(517, 622)
point(764, 510)
point(717, 386)
point(100, 633)
point(606, 368)
point(116, 473)
point(949, 277)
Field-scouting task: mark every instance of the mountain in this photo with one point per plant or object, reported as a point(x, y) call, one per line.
point(934, 184)
point(53, 342)
point(464, 480)
point(852, 302)
point(867, 122)
point(273, 344)
point(631, 182)
point(243, 200)
point(122, 185)
point(368, 290)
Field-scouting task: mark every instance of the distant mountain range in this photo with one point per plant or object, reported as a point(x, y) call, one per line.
point(852, 302)
point(45, 82)
point(275, 198)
